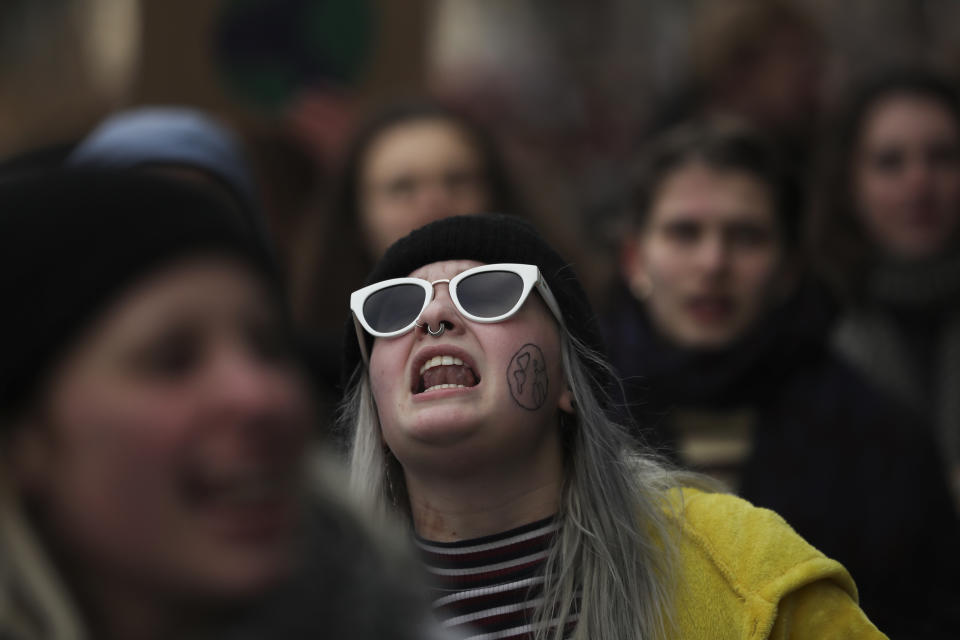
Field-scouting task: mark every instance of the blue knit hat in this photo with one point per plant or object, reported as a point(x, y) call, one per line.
point(168, 135)
point(177, 137)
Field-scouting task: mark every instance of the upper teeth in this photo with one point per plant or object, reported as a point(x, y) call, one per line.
point(438, 361)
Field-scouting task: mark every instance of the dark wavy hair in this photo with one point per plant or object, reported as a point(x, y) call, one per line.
point(841, 250)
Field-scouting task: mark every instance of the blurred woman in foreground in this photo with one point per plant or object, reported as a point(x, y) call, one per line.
point(154, 425)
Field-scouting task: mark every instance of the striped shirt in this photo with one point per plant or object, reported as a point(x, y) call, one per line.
point(487, 588)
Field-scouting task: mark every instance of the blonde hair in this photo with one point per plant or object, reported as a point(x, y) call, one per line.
point(615, 545)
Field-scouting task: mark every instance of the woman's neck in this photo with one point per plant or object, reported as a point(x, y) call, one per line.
point(114, 610)
point(114, 607)
point(123, 615)
point(472, 505)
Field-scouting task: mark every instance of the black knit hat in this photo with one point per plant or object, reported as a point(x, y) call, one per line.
point(490, 239)
point(71, 241)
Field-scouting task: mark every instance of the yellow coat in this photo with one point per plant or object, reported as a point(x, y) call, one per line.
point(749, 576)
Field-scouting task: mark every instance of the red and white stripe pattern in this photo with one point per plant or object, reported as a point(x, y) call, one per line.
point(487, 588)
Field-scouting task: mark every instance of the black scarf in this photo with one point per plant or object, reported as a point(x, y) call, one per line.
point(658, 375)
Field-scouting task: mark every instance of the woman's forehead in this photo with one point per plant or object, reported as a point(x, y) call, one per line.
point(444, 269)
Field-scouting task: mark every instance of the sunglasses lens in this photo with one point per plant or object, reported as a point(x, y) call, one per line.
point(490, 294)
point(393, 308)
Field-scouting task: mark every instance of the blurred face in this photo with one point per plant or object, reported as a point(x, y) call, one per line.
point(415, 173)
point(907, 176)
point(507, 378)
point(165, 454)
point(708, 259)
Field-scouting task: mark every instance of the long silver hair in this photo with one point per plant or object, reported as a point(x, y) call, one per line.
point(616, 548)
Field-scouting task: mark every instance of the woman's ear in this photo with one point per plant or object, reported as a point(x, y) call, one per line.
point(632, 266)
point(566, 401)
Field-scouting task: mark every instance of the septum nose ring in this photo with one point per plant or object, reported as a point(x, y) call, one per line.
point(443, 327)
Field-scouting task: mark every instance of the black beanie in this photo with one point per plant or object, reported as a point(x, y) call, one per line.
point(488, 238)
point(72, 241)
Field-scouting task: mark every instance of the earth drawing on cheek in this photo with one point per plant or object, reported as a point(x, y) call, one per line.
point(527, 377)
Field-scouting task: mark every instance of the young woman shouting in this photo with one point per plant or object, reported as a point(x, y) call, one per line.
point(478, 401)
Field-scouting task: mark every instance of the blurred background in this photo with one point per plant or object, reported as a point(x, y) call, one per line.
point(570, 89)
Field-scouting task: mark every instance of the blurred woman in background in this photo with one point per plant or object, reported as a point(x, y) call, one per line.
point(724, 346)
point(416, 162)
point(888, 239)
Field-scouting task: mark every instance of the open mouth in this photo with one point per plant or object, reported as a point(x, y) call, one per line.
point(711, 309)
point(444, 372)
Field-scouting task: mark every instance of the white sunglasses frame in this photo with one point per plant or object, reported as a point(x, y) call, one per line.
point(529, 274)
